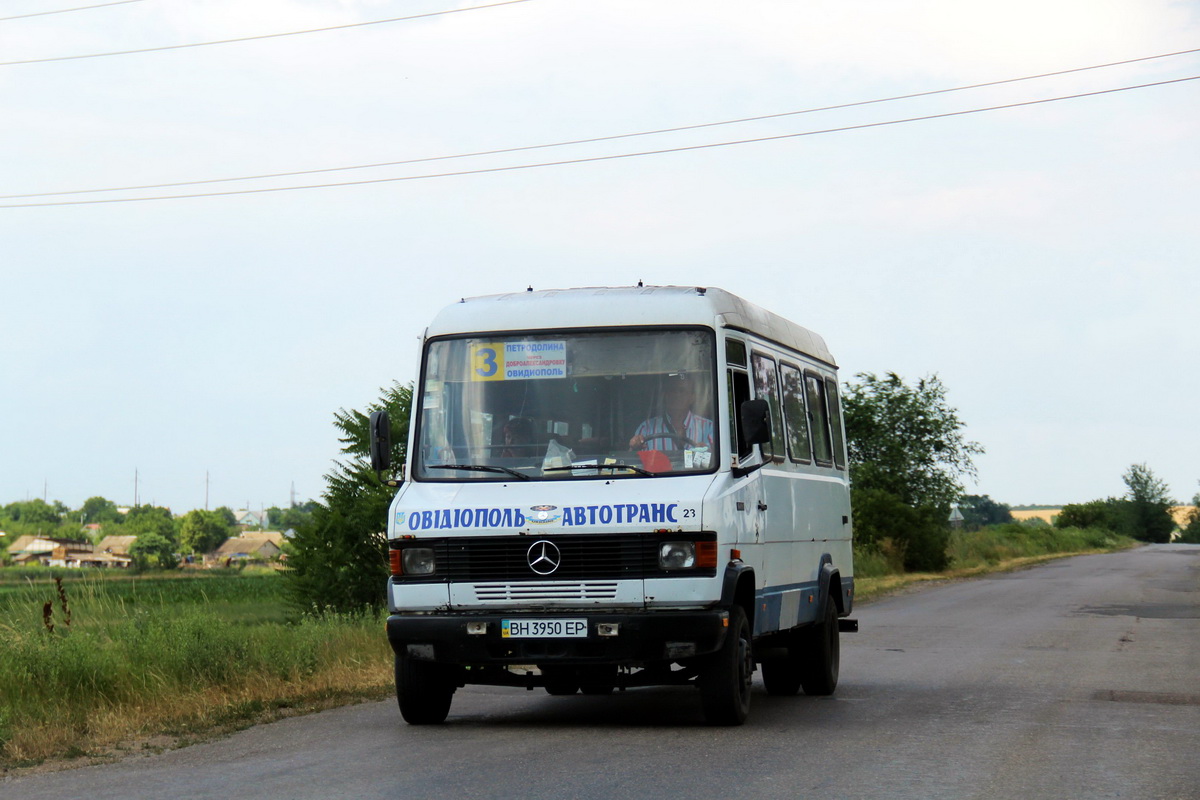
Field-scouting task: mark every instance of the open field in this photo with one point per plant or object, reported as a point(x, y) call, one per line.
point(1181, 514)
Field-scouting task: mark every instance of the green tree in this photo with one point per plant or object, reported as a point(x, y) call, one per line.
point(338, 560)
point(979, 510)
point(203, 531)
point(921, 533)
point(906, 448)
point(99, 510)
point(907, 440)
point(151, 519)
point(1149, 505)
point(36, 512)
point(1110, 514)
point(151, 550)
point(293, 517)
point(1191, 529)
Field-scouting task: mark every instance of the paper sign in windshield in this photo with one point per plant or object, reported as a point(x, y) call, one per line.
point(518, 361)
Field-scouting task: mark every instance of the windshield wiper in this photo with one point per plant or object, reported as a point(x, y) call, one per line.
point(629, 467)
point(480, 468)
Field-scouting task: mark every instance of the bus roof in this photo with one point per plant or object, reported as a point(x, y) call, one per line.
point(609, 306)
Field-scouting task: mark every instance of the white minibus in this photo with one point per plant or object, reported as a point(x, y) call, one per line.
point(609, 488)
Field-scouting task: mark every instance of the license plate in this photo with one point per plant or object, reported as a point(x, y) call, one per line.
point(543, 628)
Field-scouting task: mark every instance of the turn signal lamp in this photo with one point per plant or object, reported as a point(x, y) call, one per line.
point(412, 561)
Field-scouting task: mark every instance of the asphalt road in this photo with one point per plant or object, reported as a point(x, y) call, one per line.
point(1076, 679)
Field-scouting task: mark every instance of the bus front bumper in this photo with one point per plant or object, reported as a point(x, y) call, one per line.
point(559, 638)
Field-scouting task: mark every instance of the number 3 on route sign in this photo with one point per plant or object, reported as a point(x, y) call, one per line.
point(487, 361)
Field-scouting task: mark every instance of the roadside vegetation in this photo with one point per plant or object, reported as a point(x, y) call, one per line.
point(93, 661)
point(879, 570)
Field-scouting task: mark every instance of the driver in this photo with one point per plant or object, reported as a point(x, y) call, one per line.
point(679, 426)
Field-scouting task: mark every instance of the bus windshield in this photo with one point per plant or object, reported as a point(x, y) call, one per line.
point(555, 406)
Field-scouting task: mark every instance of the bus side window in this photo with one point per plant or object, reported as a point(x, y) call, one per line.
point(818, 418)
point(835, 422)
point(766, 386)
point(795, 414)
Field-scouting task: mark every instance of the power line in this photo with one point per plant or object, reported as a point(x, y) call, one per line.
point(595, 139)
point(68, 10)
point(261, 36)
point(612, 157)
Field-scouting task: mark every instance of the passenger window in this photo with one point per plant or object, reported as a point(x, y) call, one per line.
point(818, 420)
point(835, 423)
point(794, 413)
point(766, 386)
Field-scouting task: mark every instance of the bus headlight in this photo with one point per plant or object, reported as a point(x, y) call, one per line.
point(677, 555)
point(418, 561)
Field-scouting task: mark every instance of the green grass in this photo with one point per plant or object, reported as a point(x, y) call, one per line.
point(98, 597)
point(1000, 543)
point(154, 654)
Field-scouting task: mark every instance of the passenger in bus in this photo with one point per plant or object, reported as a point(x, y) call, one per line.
point(518, 435)
point(679, 427)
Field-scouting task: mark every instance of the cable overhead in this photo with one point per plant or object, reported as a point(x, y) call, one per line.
point(260, 36)
point(69, 10)
point(595, 139)
point(612, 157)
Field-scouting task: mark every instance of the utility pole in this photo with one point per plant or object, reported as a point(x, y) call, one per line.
point(135, 487)
point(206, 490)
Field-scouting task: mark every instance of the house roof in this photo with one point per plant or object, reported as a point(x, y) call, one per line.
point(40, 544)
point(274, 537)
point(117, 545)
point(246, 545)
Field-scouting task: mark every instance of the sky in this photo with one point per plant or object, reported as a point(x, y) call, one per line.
point(1041, 259)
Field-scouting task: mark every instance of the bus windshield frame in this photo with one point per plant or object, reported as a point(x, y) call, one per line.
point(634, 403)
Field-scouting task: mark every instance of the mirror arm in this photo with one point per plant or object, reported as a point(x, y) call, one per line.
point(741, 472)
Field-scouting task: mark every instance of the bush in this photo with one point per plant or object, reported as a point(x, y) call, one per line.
point(920, 534)
point(1191, 530)
point(1109, 514)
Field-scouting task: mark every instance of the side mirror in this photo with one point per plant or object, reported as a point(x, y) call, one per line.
point(379, 431)
point(756, 421)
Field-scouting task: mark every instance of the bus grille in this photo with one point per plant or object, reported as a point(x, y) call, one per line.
point(585, 559)
point(530, 592)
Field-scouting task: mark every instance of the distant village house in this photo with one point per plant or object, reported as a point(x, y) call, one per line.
point(249, 546)
point(53, 552)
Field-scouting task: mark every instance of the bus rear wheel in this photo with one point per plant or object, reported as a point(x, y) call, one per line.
point(822, 654)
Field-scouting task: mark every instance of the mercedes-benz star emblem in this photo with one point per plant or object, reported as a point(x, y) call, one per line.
point(544, 557)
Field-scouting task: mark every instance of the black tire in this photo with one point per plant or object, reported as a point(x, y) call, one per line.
point(597, 680)
point(726, 676)
point(821, 656)
point(423, 691)
point(560, 681)
point(781, 676)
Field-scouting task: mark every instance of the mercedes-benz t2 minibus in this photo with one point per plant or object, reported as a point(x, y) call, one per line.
point(610, 488)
